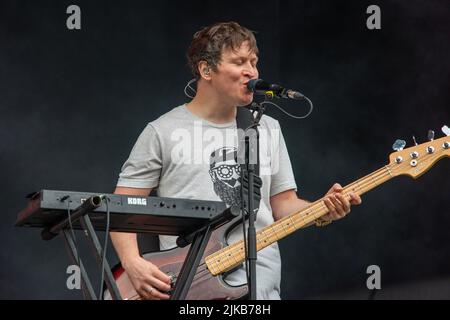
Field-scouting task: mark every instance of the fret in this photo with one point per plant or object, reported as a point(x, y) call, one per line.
point(280, 231)
point(373, 181)
point(233, 255)
point(358, 186)
point(291, 223)
point(388, 170)
point(228, 262)
point(263, 231)
point(273, 233)
point(241, 252)
point(281, 223)
point(322, 209)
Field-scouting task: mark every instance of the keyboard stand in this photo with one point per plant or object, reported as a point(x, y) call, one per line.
point(197, 236)
point(91, 237)
point(199, 239)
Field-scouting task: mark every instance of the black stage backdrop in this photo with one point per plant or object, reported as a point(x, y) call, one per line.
point(74, 101)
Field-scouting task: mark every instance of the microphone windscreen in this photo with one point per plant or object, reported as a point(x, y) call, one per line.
point(253, 84)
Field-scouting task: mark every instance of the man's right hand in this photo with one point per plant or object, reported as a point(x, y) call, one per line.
point(148, 281)
point(146, 278)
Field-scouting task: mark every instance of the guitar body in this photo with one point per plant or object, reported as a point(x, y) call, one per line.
point(204, 286)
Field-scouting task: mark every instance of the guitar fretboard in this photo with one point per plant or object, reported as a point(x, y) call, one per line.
point(233, 255)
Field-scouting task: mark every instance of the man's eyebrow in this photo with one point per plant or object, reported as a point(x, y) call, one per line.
point(245, 58)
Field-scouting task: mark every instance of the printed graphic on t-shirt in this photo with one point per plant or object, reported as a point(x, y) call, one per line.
point(225, 174)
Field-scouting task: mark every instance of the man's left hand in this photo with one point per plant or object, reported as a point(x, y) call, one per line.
point(338, 204)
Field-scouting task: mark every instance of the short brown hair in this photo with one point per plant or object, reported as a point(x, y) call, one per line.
point(208, 43)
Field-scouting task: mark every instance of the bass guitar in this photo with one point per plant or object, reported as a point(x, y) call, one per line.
point(220, 257)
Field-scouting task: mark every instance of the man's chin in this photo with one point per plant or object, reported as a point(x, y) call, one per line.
point(245, 102)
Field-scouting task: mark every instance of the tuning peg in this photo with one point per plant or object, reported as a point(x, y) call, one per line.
point(446, 130)
point(430, 135)
point(415, 142)
point(399, 145)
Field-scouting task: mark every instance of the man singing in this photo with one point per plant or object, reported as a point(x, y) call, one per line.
point(186, 153)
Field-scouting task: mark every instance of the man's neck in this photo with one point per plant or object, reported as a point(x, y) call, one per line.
point(210, 108)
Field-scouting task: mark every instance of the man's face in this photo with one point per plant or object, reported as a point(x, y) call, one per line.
point(234, 70)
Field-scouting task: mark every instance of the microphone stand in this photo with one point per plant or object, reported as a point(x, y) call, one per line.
point(252, 170)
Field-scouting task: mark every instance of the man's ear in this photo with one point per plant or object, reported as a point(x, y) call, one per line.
point(204, 70)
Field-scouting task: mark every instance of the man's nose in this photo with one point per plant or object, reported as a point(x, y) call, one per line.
point(251, 72)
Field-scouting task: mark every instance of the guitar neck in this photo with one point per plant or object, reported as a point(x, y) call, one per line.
point(233, 255)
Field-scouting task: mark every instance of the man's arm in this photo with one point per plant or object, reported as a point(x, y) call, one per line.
point(287, 202)
point(148, 281)
point(125, 243)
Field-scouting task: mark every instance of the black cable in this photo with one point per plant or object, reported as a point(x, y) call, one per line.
point(311, 107)
point(77, 258)
point(105, 245)
point(72, 231)
point(244, 213)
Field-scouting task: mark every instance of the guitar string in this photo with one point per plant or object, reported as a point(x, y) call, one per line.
point(315, 207)
point(370, 179)
point(238, 245)
point(376, 176)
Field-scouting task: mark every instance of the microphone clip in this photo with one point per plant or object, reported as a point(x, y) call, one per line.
point(259, 108)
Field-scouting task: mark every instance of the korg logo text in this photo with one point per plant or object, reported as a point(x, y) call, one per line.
point(137, 201)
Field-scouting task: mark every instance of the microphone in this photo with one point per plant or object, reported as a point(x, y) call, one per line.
point(259, 86)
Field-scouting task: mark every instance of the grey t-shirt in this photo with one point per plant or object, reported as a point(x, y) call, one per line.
point(184, 156)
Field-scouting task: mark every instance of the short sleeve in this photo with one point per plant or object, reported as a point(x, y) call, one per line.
point(142, 169)
point(282, 178)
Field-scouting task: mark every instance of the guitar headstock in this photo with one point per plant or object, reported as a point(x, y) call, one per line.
point(417, 160)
